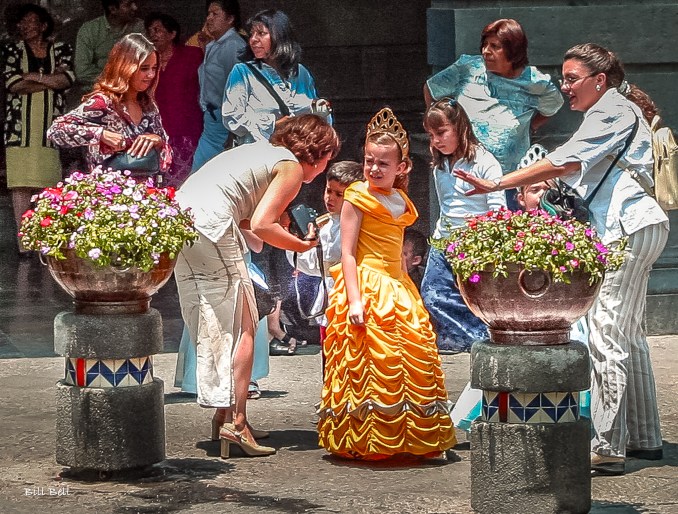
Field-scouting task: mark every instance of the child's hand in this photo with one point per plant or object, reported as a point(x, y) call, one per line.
point(356, 313)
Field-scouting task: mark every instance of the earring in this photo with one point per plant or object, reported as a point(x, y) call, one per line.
point(598, 88)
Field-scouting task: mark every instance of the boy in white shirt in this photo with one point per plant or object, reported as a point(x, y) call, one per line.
point(339, 176)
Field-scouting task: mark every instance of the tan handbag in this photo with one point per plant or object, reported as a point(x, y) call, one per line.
point(665, 152)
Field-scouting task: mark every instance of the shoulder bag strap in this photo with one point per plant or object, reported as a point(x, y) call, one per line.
point(284, 110)
point(589, 198)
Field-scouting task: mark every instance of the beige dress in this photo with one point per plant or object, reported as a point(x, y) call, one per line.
point(211, 275)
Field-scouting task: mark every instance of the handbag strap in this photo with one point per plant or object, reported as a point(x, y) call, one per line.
point(589, 198)
point(284, 110)
point(321, 264)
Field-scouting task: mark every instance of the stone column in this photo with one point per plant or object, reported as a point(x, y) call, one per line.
point(530, 449)
point(110, 408)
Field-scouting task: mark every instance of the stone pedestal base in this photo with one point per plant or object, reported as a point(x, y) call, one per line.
point(110, 409)
point(530, 449)
point(110, 429)
point(536, 468)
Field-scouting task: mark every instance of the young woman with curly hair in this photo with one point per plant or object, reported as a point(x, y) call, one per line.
point(246, 188)
point(120, 113)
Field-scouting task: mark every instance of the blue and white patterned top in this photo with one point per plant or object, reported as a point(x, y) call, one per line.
point(249, 110)
point(500, 108)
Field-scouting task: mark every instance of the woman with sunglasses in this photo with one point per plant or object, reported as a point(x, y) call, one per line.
point(616, 120)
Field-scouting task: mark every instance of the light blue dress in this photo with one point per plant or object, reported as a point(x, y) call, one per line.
point(500, 108)
point(250, 111)
point(220, 57)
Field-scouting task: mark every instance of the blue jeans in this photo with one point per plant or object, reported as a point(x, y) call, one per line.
point(456, 326)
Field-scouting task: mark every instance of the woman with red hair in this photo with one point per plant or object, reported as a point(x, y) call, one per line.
point(503, 96)
point(248, 187)
point(120, 114)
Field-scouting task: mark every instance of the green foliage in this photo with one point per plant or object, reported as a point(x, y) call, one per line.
point(534, 239)
point(108, 218)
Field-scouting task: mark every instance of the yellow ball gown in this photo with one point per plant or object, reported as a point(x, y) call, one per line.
point(384, 391)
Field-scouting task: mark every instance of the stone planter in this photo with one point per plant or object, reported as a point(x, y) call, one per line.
point(110, 408)
point(530, 446)
point(108, 290)
point(528, 307)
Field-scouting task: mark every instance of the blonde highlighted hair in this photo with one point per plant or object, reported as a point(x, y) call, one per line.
point(124, 60)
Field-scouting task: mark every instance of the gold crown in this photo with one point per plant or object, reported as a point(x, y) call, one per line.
point(385, 122)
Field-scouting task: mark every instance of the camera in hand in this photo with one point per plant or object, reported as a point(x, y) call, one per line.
point(300, 216)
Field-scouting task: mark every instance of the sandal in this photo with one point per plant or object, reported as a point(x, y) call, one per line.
point(283, 346)
point(253, 391)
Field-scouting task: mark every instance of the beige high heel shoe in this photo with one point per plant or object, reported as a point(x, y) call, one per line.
point(229, 435)
point(217, 423)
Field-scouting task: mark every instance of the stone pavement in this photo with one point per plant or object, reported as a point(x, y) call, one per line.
point(299, 478)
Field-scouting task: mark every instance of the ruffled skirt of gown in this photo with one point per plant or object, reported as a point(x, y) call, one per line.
point(384, 391)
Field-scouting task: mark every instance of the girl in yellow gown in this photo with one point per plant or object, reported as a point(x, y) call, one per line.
point(384, 392)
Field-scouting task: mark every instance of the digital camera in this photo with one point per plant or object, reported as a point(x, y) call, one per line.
point(300, 216)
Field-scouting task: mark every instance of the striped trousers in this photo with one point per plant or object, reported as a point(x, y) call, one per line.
point(624, 409)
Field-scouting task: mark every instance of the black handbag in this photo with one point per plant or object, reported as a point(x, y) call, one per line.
point(563, 201)
point(266, 297)
point(146, 166)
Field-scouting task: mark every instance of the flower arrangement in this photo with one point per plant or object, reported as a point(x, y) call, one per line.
point(533, 239)
point(108, 218)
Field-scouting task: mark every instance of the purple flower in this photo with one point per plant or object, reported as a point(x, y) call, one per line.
point(474, 278)
point(554, 252)
point(601, 248)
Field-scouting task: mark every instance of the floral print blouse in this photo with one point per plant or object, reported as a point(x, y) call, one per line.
point(84, 125)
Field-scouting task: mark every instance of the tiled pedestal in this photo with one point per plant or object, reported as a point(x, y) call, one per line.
point(110, 408)
point(530, 447)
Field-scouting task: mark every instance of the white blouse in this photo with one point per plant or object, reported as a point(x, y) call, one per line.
point(620, 207)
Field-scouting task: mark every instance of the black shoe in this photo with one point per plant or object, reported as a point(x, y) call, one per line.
point(603, 465)
point(646, 453)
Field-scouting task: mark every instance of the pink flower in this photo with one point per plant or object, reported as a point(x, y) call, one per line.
point(518, 246)
point(601, 248)
point(574, 263)
point(46, 221)
point(569, 246)
point(554, 252)
point(474, 278)
point(563, 269)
